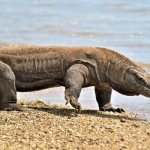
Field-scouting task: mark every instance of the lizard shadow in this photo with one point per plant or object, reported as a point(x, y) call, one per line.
point(68, 112)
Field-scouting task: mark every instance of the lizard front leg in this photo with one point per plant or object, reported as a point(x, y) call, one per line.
point(103, 97)
point(75, 79)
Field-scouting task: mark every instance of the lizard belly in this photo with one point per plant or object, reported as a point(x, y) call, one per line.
point(33, 82)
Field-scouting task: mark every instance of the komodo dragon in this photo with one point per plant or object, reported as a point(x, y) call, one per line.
point(38, 67)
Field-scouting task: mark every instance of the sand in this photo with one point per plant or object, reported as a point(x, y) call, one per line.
point(49, 127)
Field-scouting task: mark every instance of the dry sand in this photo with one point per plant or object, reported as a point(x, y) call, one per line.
point(43, 127)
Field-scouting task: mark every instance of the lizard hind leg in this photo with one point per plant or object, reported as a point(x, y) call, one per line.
point(8, 97)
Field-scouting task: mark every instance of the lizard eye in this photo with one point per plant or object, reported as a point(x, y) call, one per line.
point(140, 80)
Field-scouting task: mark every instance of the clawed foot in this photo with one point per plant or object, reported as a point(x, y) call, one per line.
point(11, 107)
point(74, 103)
point(119, 110)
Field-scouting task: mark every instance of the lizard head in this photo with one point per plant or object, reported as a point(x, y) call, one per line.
point(138, 81)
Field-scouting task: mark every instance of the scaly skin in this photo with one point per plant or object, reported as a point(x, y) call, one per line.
point(34, 68)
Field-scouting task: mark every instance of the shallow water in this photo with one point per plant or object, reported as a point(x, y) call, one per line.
point(117, 24)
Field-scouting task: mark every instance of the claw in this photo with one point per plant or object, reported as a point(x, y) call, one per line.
point(66, 103)
point(119, 110)
point(12, 107)
point(67, 98)
point(102, 109)
point(74, 103)
point(78, 109)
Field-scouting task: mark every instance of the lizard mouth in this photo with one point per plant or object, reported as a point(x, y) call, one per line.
point(146, 91)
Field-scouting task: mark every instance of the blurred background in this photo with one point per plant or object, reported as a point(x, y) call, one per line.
point(117, 24)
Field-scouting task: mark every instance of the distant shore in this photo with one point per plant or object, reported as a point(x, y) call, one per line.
point(42, 126)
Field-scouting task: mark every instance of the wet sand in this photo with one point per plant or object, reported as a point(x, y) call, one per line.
point(41, 126)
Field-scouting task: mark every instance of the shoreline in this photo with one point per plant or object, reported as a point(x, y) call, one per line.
point(42, 126)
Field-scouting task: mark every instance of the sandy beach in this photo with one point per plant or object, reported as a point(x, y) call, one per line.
point(43, 127)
